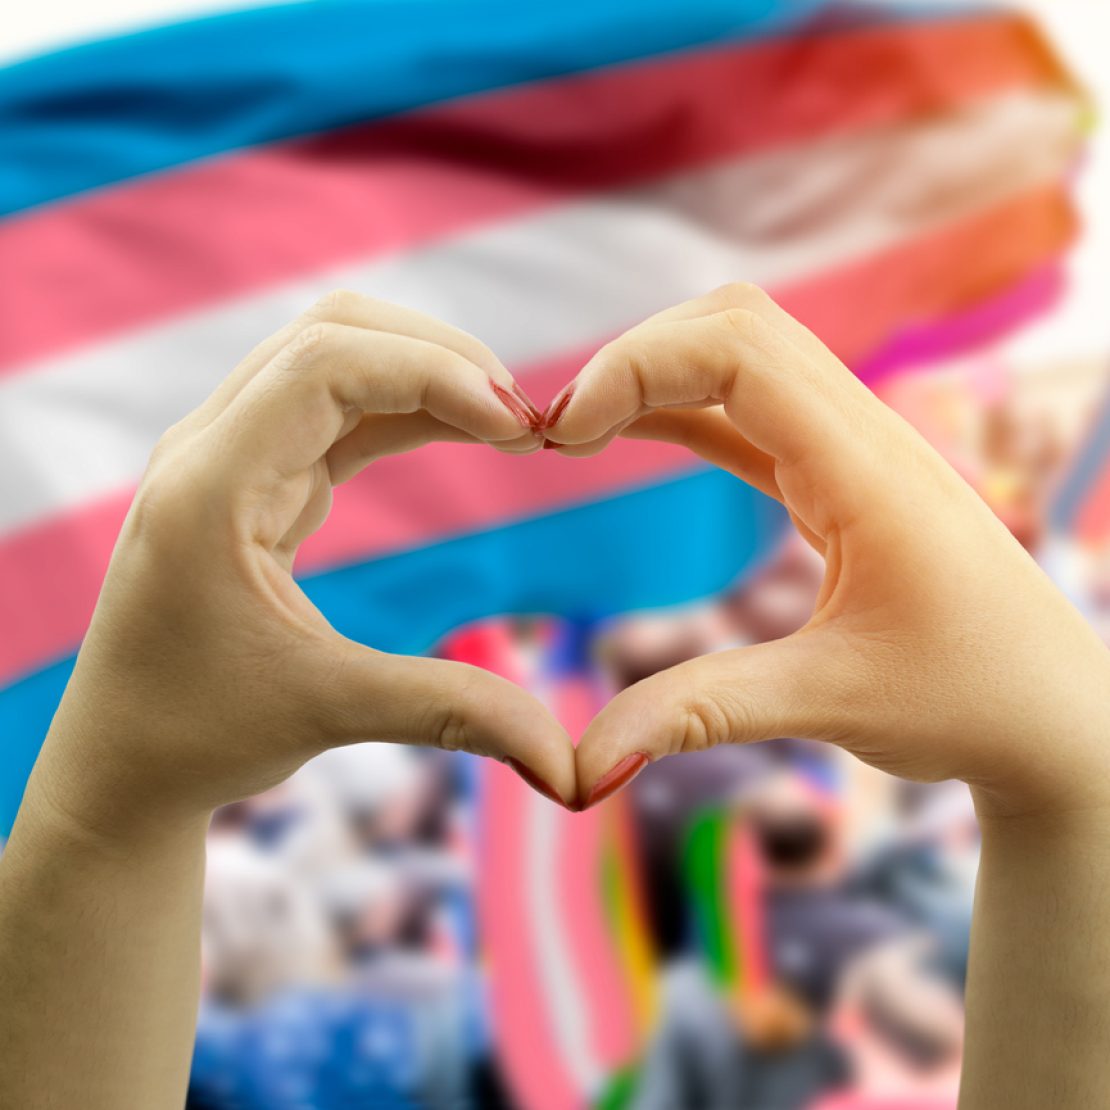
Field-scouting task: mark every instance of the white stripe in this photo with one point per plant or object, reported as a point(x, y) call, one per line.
point(563, 995)
point(79, 427)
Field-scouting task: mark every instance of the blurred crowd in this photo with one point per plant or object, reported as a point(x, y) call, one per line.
point(342, 957)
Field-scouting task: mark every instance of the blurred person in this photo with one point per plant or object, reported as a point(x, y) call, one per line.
point(368, 799)
point(1021, 452)
point(665, 799)
point(769, 1049)
point(779, 598)
point(667, 796)
point(388, 932)
point(903, 1038)
point(262, 929)
point(367, 904)
point(937, 649)
point(925, 868)
point(380, 788)
point(634, 647)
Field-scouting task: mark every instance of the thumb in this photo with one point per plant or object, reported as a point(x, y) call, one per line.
point(453, 706)
point(788, 687)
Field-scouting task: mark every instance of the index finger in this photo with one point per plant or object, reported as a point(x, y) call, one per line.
point(785, 402)
point(292, 412)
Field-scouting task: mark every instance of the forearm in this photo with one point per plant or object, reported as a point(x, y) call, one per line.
point(1038, 994)
point(99, 962)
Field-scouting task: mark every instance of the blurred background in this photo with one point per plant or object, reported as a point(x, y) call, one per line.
point(924, 184)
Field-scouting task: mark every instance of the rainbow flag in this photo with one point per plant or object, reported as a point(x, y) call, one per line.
point(724, 884)
point(542, 175)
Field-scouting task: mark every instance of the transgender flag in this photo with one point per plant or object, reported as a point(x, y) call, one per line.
point(543, 175)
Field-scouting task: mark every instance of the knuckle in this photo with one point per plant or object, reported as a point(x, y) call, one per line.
point(306, 344)
point(338, 302)
point(453, 733)
point(167, 505)
point(451, 723)
point(742, 322)
point(703, 723)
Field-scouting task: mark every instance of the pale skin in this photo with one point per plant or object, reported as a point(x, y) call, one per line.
point(937, 650)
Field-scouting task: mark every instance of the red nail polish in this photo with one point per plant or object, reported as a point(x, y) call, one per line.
point(534, 780)
point(621, 775)
point(513, 405)
point(529, 404)
point(552, 418)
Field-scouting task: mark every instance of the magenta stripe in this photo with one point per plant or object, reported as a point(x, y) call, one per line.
point(982, 323)
point(110, 261)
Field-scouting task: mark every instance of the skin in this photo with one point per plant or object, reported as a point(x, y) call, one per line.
point(937, 649)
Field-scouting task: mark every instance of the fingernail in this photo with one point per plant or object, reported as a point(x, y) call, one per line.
point(621, 775)
point(529, 404)
point(551, 418)
point(534, 780)
point(513, 405)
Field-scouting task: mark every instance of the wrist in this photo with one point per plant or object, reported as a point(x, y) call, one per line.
point(1027, 840)
point(97, 804)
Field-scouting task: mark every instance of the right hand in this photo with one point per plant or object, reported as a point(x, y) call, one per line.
point(937, 648)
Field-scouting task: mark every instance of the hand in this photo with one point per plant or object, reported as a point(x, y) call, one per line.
point(771, 1019)
point(207, 675)
point(937, 648)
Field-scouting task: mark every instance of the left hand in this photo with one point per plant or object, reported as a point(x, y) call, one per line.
point(207, 674)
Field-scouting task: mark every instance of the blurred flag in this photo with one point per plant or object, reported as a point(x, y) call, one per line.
point(541, 175)
point(1082, 505)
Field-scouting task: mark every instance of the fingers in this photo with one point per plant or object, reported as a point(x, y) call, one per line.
point(807, 422)
point(356, 310)
point(799, 686)
point(781, 401)
point(744, 295)
point(294, 409)
point(452, 706)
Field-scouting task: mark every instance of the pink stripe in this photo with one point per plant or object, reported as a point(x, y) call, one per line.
point(402, 501)
point(1092, 524)
point(118, 259)
point(745, 884)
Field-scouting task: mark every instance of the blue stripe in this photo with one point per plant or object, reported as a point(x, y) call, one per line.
point(110, 110)
point(669, 543)
point(1093, 458)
